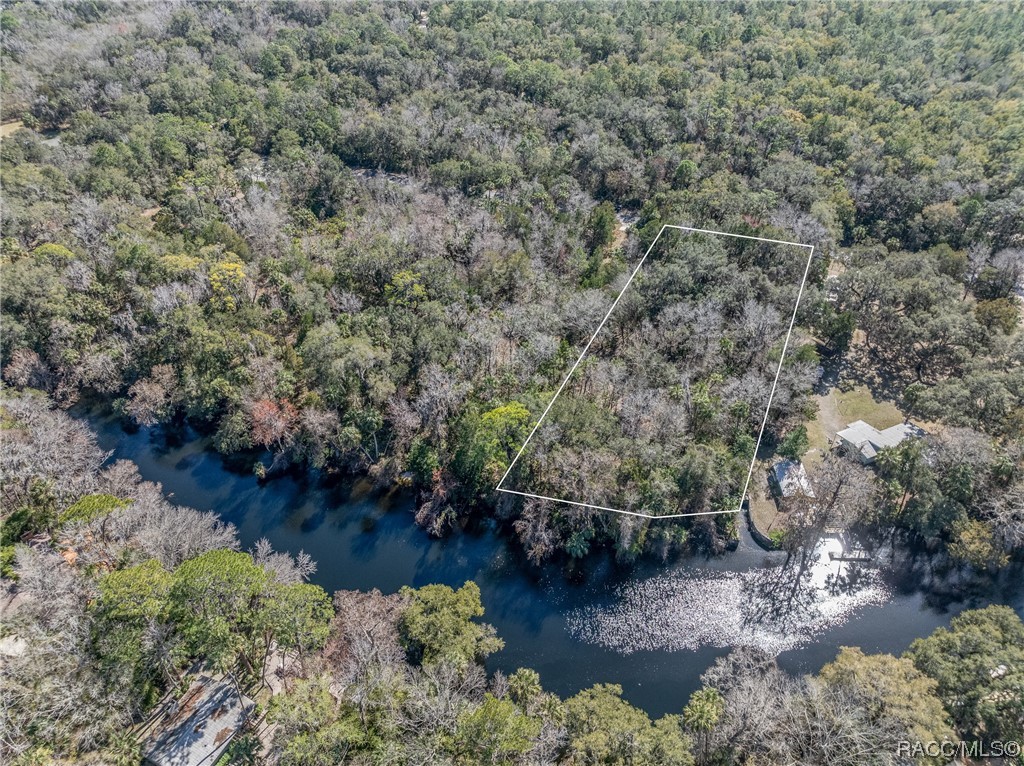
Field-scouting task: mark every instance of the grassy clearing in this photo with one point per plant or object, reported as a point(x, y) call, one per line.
point(10, 127)
point(817, 437)
point(840, 407)
point(858, 404)
point(763, 509)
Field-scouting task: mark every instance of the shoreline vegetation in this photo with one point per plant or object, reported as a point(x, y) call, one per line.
point(125, 601)
point(384, 264)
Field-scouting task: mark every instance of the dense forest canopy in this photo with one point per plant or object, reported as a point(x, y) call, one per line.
point(374, 237)
point(662, 414)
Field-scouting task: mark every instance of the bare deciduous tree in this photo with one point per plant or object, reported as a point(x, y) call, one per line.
point(285, 568)
point(151, 399)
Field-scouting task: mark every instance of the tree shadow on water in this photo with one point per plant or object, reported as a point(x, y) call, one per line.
point(780, 598)
point(850, 579)
point(313, 522)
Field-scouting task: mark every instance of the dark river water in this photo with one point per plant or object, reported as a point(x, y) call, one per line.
point(651, 629)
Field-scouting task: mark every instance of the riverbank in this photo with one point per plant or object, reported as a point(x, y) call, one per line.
point(599, 623)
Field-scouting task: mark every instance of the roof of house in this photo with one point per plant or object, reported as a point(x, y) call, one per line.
point(199, 727)
point(792, 478)
point(869, 440)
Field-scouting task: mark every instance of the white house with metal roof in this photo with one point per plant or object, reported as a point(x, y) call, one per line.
point(790, 478)
point(864, 440)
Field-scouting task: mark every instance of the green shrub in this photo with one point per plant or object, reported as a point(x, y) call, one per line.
point(92, 507)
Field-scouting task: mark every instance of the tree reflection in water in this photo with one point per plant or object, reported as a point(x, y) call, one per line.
point(776, 606)
point(805, 593)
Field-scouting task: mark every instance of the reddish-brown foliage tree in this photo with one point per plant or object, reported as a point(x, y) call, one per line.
point(272, 422)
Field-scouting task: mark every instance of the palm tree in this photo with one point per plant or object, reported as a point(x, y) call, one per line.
point(701, 715)
point(525, 687)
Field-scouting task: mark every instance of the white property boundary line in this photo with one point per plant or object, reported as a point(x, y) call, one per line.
point(767, 409)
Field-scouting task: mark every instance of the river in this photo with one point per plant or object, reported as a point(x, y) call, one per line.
point(652, 629)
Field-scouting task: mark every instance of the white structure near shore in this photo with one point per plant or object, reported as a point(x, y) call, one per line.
point(790, 479)
point(865, 440)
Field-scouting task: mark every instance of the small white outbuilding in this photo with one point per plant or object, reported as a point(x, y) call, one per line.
point(790, 479)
